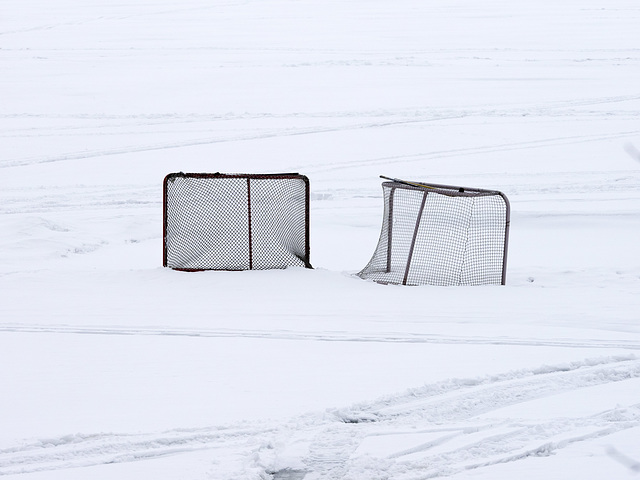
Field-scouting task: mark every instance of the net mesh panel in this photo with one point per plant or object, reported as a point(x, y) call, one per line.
point(236, 222)
point(442, 235)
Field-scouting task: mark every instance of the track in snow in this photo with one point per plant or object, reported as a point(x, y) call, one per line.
point(324, 336)
point(449, 427)
point(437, 430)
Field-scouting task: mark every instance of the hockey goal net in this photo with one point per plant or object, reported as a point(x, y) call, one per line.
point(216, 221)
point(440, 235)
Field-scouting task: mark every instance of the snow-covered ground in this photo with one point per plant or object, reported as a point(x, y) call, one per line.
point(113, 367)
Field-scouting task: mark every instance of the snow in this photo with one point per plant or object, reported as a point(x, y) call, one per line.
point(114, 367)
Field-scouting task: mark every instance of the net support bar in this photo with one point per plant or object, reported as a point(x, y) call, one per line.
point(435, 234)
point(217, 221)
point(413, 239)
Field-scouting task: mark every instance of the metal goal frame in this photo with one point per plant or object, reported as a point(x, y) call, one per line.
point(242, 195)
point(392, 264)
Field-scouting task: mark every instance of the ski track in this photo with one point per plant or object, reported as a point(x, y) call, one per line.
point(323, 336)
point(384, 119)
point(326, 167)
point(42, 199)
point(456, 414)
point(80, 197)
point(102, 18)
point(418, 157)
point(72, 451)
point(451, 411)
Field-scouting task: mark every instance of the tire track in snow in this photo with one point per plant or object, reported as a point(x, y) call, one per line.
point(113, 17)
point(383, 119)
point(539, 440)
point(74, 197)
point(499, 444)
point(452, 429)
point(81, 197)
point(458, 152)
point(483, 149)
point(455, 413)
point(286, 132)
point(458, 401)
point(324, 336)
point(78, 450)
point(561, 107)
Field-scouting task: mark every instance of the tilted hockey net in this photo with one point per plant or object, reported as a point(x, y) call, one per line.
point(215, 221)
point(441, 235)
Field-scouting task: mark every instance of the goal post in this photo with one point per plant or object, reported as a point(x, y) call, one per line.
point(217, 221)
point(440, 235)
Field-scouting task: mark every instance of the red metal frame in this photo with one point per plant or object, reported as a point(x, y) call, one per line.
point(248, 177)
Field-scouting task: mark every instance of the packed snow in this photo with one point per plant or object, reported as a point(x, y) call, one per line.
point(114, 367)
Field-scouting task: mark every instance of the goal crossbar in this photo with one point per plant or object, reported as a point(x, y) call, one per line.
point(440, 235)
point(218, 221)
